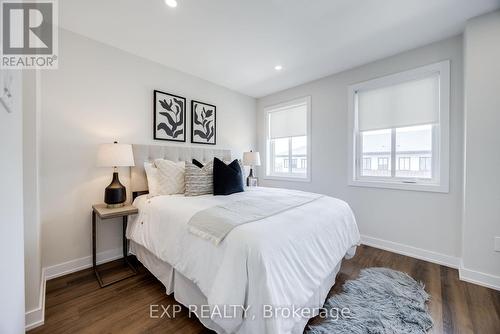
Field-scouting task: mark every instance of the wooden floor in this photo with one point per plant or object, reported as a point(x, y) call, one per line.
point(76, 304)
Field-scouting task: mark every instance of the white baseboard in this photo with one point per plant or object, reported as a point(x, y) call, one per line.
point(479, 278)
point(418, 253)
point(36, 317)
point(72, 266)
point(467, 275)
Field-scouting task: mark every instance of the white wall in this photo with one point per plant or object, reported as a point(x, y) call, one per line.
point(428, 221)
point(99, 94)
point(32, 237)
point(482, 179)
point(11, 211)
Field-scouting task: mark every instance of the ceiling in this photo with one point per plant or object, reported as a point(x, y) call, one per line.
point(237, 43)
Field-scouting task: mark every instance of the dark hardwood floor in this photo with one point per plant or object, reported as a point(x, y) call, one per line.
point(76, 304)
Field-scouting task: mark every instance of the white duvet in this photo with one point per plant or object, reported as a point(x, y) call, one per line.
point(277, 261)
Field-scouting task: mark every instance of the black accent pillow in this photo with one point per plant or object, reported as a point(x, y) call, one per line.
point(197, 163)
point(227, 178)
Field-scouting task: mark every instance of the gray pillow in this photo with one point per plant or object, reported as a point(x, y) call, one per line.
point(243, 172)
point(199, 181)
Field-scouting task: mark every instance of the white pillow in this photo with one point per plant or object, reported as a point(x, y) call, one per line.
point(152, 177)
point(171, 176)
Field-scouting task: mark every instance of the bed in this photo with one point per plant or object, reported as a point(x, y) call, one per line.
point(267, 276)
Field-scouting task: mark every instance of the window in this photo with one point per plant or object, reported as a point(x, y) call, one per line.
point(424, 164)
point(404, 163)
point(303, 164)
point(288, 143)
point(383, 164)
point(367, 163)
point(402, 120)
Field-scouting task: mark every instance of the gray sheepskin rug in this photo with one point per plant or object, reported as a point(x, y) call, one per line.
point(380, 301)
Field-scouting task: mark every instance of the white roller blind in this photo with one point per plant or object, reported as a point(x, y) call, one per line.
point(288, 122)
point(405, 104)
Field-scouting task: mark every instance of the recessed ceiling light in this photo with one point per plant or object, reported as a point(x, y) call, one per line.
point(278, 67)
point(171, 3)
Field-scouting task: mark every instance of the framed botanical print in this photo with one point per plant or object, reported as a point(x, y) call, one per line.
point(169, 119)
point(203, 123)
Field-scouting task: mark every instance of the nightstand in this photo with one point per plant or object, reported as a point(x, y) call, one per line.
point(104, 213)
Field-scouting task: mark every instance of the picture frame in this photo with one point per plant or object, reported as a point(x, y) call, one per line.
point(203, 123)
point(252, 182)
point(169, 117)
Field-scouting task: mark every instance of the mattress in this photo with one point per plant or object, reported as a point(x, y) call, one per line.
point(287, 260)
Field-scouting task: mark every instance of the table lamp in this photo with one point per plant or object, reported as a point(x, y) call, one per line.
point(251, 159)
point(115, 155)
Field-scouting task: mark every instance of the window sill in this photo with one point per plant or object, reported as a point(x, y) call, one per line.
point(439, 188)
point(287, 178)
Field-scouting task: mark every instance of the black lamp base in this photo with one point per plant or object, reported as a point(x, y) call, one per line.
point(115, 194)
point(251, 180)
point(114, 206)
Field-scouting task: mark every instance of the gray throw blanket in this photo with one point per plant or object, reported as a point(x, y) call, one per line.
point(216, 222)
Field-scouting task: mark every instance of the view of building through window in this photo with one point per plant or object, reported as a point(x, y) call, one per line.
point(413, 146)
point(290, 155)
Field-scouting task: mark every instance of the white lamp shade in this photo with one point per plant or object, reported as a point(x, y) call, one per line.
point(251, 159)
point(115, 155)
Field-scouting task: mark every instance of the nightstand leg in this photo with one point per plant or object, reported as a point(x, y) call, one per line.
point(125, 243)
point(94, 250)
point(93, 241)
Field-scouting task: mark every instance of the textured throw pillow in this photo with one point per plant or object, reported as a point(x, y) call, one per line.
point(243, 170)
point(243, 173)
point(199, 181)
point(152, 177)
point(171, 177)
point(197, 163)
point(227, 178)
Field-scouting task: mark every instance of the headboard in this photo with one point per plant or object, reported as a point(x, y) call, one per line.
point(142, 153)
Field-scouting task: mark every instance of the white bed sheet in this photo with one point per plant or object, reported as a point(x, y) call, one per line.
point(279, 261)
point(188, 294)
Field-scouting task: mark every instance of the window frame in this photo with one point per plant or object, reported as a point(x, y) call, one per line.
point(267, 157)
point(440, 134)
